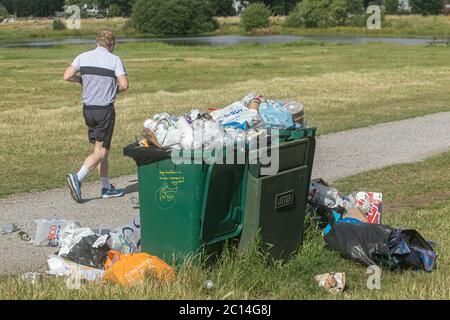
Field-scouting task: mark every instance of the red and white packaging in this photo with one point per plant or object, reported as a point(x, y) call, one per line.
point(371, 203)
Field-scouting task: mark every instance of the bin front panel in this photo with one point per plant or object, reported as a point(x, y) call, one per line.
point(171, 206)
point(282, 212)
point(223, 208)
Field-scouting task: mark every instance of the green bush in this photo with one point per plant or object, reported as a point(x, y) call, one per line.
point(324, 13)
point(360, 20)
point(173, 17)
point(391, 6)
point(114, 10)
point(309, 13)
point(223, 8)
point(427, 7)
point(256, 16)
point(58, 25)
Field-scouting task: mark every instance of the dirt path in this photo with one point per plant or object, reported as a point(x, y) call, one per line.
point(338, 155)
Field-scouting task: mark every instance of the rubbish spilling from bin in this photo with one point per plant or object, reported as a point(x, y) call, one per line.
point(82, 247)
point(352, 226)
point(131, 233)
point(131, 269)
point(61, 267)
point(210, 182)
point(49, 231)
point(87, 254)
point(238, 122)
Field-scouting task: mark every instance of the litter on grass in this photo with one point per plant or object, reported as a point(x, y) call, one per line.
point(334, 282)
point(353, 227)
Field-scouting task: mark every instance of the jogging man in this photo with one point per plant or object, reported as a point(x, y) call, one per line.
point(102, 76)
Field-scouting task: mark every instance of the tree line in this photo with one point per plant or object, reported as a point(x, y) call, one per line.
point(45, 8)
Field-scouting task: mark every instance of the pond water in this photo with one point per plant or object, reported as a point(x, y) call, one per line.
point(218, 40)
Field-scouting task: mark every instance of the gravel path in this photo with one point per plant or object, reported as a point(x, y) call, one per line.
point(338, 155)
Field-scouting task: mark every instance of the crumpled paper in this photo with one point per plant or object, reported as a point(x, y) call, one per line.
point(334, 282)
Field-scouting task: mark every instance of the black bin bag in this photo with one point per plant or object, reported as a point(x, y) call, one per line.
point(371, 244)
point(144, 156)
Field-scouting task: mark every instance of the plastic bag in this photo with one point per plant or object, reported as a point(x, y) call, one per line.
point(161, 132)
point(114, 241)
point(364, 243)
point(243, 121)
point(49, 232)
point(324, 196)
point(72, 236)
point(85, 251)
point(131, 232)
point(172, 138)
point(198, 127)
point(63, 267)
point(374, 244)
point(130, 269)
point(164, 118)
point(212, 134)
point(143, 156)
point(229, 113)
point(150, 124)
point(275, 115)
point(186, 133)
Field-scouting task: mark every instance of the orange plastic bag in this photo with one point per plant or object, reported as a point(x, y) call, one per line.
point(130, 269)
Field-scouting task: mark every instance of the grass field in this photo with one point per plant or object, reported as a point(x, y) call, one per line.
point(416, 196)
point(393, 26)
point(43, 136)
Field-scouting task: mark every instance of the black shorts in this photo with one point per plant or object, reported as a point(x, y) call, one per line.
point(100, 121)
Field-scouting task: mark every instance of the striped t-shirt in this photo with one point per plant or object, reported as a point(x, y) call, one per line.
point(99, 70)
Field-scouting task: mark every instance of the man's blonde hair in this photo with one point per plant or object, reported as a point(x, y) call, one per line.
point(106, 39)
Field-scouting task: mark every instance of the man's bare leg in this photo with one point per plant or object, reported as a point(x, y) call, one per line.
point(97, 156)
point(103, 170)
point(74, 180)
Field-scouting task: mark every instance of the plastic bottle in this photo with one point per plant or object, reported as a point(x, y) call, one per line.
point(249, 97)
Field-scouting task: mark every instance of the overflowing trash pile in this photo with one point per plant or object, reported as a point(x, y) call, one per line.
point(352, 224)
point(239, 121)
point(97, 255)
point(353, 227)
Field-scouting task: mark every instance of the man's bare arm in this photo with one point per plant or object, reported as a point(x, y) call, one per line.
point(122, 83)
point(70, 75)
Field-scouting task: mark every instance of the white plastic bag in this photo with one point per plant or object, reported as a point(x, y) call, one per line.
point(172, 138)
point(119, 243)
point(229, 113)
point(63, 267)
point(132, 233)
point(114, 241)
point(49, 232)
point(71, 237)
point(212, 134)
point(150, 124)
point(186, 133)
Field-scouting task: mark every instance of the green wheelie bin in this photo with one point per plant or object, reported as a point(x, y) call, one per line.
point(276, 204)
point(187, 209)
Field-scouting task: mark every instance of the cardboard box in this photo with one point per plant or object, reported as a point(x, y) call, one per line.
point(372, 205)
point(355, 214)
